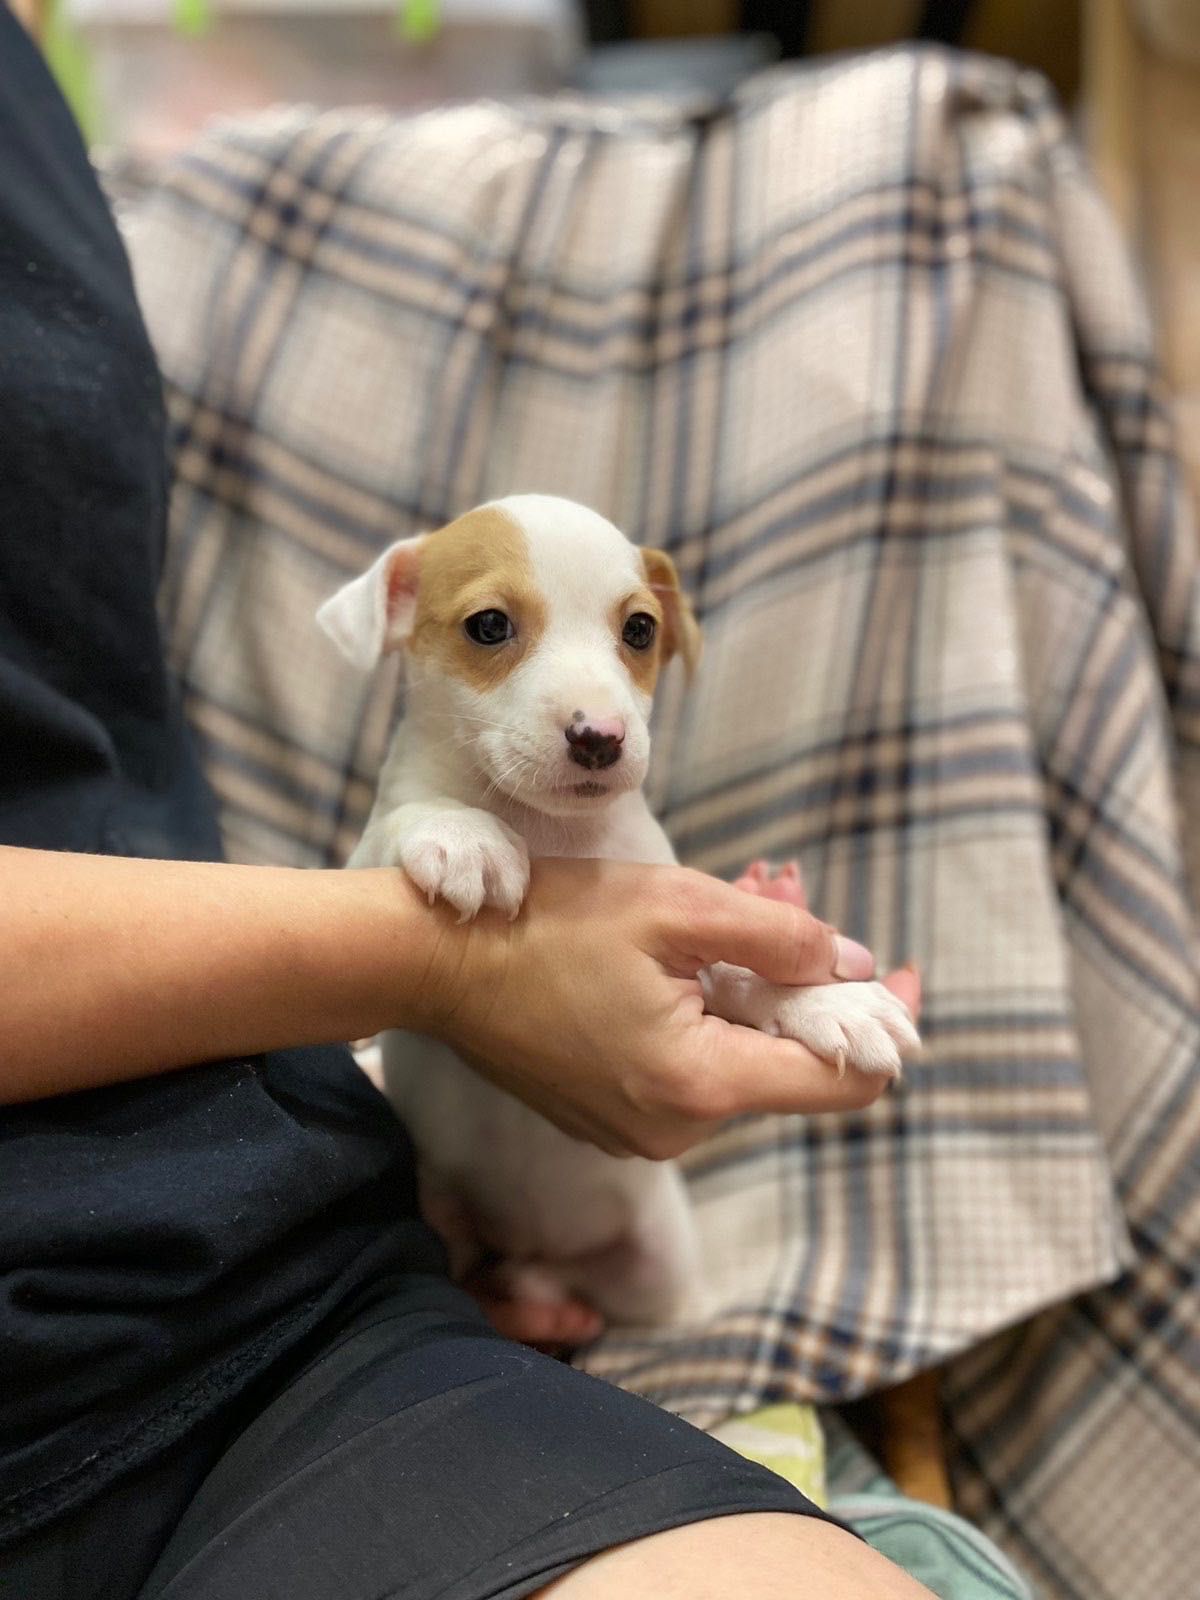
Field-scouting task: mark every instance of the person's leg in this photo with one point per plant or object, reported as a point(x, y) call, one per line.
point(753, 1557)
point(418, 1454)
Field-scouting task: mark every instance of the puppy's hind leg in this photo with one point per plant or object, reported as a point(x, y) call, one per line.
point(448, 1214)
point(650, 1275)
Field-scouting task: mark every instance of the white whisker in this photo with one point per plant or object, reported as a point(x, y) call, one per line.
point(469, 717)
point(519, 764)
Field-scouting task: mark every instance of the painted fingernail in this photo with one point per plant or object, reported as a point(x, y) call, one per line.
point(852, 961)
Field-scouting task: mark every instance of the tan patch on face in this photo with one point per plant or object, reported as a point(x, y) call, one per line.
point(478, 562)
point(680, 631)
point(642, 665)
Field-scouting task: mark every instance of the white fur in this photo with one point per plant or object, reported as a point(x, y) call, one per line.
point(851, 1024)
point(473, 786)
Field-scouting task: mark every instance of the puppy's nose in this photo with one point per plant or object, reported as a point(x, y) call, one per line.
point(595, 741)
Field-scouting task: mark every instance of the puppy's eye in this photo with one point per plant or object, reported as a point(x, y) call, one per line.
point(639, 630)
point(489, 627)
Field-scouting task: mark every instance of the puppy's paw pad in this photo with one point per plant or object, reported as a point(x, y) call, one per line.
point(860, 1025)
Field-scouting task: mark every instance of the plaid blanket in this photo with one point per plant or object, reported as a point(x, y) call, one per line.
point(861, 349)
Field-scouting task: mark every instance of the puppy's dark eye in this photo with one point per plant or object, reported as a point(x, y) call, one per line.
point(639, 630)
point(489, 627)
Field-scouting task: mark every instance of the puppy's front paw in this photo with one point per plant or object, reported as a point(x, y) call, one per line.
point(469, 858)
point(860, 1025)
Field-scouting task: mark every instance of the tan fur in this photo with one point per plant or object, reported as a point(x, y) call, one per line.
point(643, 666)
point(680, 630)
point(474, 563)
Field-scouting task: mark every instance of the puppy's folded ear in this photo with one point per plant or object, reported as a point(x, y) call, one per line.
point(374, 613)
point(681, 631)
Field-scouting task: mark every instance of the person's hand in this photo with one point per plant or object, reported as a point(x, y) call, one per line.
point(567, 1324)
point(787, 885)
point(588, 1006)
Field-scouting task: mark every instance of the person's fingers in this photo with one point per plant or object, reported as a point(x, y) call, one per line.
point(729, 1070)
point(748, 884)
point(747, 1072)
point(778, 941)
point(744, 1071)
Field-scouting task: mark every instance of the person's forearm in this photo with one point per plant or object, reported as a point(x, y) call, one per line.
point(33, 14)
point(117, 968)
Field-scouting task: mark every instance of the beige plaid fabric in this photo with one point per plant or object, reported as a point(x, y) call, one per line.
point(860, 348)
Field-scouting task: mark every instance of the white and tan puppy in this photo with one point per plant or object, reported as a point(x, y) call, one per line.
point(533, 633)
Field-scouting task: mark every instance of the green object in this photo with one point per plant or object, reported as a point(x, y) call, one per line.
point(68, 61)
point(193, 17)
point(419, 20)
point(946, 1553)
point(786, 1438)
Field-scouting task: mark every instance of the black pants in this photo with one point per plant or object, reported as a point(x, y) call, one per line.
point(408, 1452)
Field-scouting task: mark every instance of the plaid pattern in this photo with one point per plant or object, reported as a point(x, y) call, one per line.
point(863, 351)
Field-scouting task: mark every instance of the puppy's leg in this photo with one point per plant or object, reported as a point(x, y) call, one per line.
point(467, 856)
point(860, 1025)
point(448, 1214)
point(648, 1275)
point(651, 1275)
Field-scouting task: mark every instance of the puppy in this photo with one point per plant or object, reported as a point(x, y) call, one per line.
point(534, 633)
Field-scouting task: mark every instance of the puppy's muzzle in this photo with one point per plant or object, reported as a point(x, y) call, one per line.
point(595, 745)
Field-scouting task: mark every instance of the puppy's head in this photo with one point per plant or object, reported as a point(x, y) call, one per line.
point(534, 633)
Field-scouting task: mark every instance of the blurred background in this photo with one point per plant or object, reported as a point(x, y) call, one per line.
point(146, 72)
point(144, 75)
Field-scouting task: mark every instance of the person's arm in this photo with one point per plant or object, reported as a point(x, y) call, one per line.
point(117, 968)
point(587, 1006)
point(33, 14)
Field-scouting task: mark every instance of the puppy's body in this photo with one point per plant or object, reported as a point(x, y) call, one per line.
point(534, 632)
point(565, 1216)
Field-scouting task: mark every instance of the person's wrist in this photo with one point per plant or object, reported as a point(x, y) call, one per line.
point(428, 962)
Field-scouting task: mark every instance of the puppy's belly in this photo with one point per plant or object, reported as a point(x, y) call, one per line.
point(533, 1192)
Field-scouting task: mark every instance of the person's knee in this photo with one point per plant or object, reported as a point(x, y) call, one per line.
point(758, 1556)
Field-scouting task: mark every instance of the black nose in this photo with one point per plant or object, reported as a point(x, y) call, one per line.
point(593, 750)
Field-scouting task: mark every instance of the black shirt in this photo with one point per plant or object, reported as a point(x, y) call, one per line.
point(162, 1242)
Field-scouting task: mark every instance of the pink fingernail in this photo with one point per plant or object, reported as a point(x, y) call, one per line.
point(852, 961)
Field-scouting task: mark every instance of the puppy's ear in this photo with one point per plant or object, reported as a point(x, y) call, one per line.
point(681, 631)
point(374, 613)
